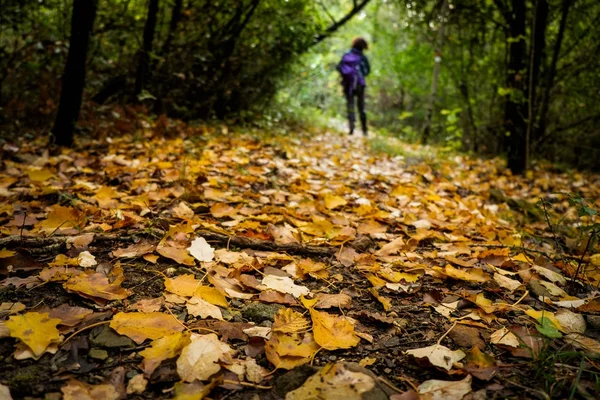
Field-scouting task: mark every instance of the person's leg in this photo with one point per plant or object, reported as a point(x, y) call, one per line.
point(360, 93)
point(350, 109)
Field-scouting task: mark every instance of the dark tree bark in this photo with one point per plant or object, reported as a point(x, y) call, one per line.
point(73, 80)
point(515, 111)
point(537, 51)
point(143, 68)
point(175, 18)
point(338, 24)
point(551, 72)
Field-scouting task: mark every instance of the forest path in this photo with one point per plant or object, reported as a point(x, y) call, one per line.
point(333, 251)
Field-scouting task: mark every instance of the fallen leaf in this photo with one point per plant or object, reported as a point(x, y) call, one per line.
point(284, 284)
point(163, 348)
point(288, 352)
point(137, 384)
point(201, 250)
point(36, 330)
point(135, 250)
point(438, 355)
point(333, 332)
point(7, 253)
point(5, 393)
point(570, 322)
point(140, 326)
point(86, 259)
point(504, 337)
point(470, 275)
point(480, 365)
point(97, 286)
point(203, 309)
point(289, 321)
point(444, 390)
point(339, 300)
point(148, 305)
point(182, 285)
point(589, 345)
point(333, 381)
point(76, 390)
point(199, 360)
point(332, 201)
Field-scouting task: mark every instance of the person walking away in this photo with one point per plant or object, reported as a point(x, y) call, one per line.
point(354, 67)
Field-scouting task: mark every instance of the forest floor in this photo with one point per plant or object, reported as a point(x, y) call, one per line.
point(189, 262)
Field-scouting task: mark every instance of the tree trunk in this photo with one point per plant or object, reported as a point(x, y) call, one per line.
point(515, 111)
point(551, 72)
point(73, 80)
point(175, 18)
point(436, 74)
point(141, 76)
point(536, 56)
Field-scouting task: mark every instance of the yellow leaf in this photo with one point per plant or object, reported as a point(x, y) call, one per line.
point(333, 201)
point(60, 217)
point(522, 257)
point(438, 355)
point(385, 302)
point(140, 326)
point(334, 382)
point(162, 349)
point(333, 332)
point(174, 253)
point(97, 286)
point(470, 275)
point(545, 314)
point(36, 330)
point(7, 253)
point(595, 260)
point(182, 285)
point(288, 352)
point(376, 281)
point(212, 295)
point(39, 175)
point(289, 321)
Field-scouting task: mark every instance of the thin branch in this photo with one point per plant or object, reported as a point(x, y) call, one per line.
point(335, 26)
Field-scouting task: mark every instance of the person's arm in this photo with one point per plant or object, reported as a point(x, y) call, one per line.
point(365, 66)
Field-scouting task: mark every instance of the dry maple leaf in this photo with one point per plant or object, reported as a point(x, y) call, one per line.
point(140, 326)
point(36, 330)
point(97, 286)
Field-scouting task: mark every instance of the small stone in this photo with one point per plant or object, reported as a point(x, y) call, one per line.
point(332, 358)
point(259, 312)
point(98, 354)
point(594, 321)
point(393, 341)
point(387, 371)
point(105, 336)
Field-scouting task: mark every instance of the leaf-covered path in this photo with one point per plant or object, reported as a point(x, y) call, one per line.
point(189, 262)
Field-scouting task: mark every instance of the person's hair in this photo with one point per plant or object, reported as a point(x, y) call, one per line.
point(360, 44)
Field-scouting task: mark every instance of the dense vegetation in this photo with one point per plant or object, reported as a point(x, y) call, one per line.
point(514, 77)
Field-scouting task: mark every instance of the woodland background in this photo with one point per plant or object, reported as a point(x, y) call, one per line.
point(516, 78)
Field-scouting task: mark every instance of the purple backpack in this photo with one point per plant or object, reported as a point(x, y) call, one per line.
point(349, 68)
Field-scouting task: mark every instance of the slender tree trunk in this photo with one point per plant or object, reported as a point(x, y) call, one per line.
point(515, 111)
point(143, 68)
point(73, 80)
point(551, 72)
point(436, 74)
point(175, 18)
